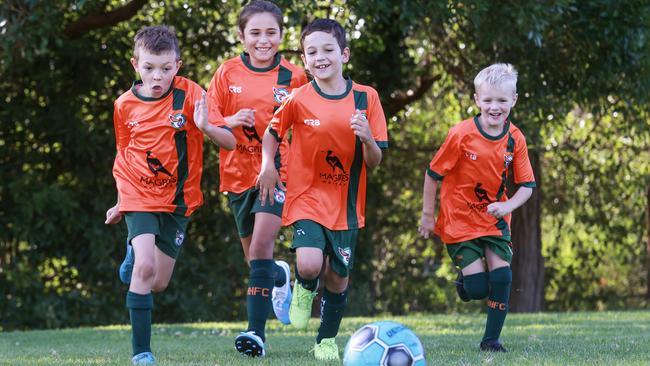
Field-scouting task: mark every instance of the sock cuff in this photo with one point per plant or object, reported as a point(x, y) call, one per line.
point(335, 298)
point(501, 275)
point(480, 276)
point(137, 301)
point(262, 268)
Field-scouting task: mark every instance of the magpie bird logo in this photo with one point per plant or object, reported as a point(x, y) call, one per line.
point(481, 194)
point(155, 165)
point(334, 162)
point(251, 134)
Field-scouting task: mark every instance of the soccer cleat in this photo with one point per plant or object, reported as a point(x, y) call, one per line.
point(144, 358)
point(460, 287)
point(300, 310)
point(281, 296)
point(250, 344)
point(492, 346)
point(126, 268)
point(326, 350)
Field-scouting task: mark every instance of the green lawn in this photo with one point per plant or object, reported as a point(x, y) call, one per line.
point(607, 338)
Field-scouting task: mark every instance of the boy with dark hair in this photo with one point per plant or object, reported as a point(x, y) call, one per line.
point(157, 170)
point(474, 218)
point(339, 130)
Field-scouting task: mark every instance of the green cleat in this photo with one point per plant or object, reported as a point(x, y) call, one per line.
point(326, 350)
point(300, 310)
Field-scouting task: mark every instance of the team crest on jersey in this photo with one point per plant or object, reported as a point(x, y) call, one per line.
point(279, 94)
point(177, 120)
point(470, 155)
point(345, 255)
point(180, 236)
point(507, 158)
point(132, 124)
point(279, 195)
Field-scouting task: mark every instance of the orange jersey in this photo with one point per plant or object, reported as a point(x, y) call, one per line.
point(475, 166)
point(326, 178)
point(236, 85)
point(159, 157)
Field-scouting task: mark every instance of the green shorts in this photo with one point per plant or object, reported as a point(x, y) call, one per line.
point(245, 205)
point(339, 245)
point(466, 252)
point(168, 227)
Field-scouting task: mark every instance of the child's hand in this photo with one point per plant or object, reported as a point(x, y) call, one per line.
point(201, 112)
point(360, 126)
point(244, 117)
point(266, 182)
point(113, 215)
point(498, 209)
point(427, 223)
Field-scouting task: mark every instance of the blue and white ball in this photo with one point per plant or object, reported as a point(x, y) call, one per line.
point(384, 343)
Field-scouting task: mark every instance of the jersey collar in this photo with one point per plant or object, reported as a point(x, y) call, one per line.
point(506, 128)
point(348, 87)
point(150, 99)
point(246, 59)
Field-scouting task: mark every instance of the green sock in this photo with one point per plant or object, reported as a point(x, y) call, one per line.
point(332, 306)
point(477, 285)
point(500, 281)
point(258, 298)
point(140, 307)
point(280, 278)
point(310, 285)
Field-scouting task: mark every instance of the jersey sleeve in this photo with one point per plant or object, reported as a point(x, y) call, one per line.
point(217, 98)
point(377, 120)
point(194, 95)
point(122, 135)
point(282, 118)
point(301, 79)
point(522, 169)
point(447, 156)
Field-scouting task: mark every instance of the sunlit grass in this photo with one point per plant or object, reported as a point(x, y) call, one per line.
point(607, 338)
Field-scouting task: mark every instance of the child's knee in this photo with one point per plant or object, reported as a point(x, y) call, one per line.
point(160, 286)
point(144, 271)
point(477, 285)
point(309, 269)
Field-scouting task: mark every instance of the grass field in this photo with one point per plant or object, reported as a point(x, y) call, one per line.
point(606, 338)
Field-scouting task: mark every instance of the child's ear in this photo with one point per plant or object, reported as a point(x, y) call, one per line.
point(241, 36)
point(134, 63)
point(346, 55)
point(304, 61)
point(476, 98)
point(514, 99)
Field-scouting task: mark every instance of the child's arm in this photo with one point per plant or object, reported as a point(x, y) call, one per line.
point(269, 177)
point(500, 209)
point(428, 219)
point(361, 127)
point(218, 135)
point(113, 215)
point(244, 117)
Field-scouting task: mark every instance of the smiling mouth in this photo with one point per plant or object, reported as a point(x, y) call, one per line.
point(263, 49)
point(322, 67)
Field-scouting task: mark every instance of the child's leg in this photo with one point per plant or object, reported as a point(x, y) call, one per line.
point(475, 280)
point(139, 300)
point(262, 274)
point(333, 304)
point(500, 281)
point(309, 264)
point(164, 270)
point(245, 245)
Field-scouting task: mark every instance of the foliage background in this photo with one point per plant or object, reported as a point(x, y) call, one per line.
point(584, 93)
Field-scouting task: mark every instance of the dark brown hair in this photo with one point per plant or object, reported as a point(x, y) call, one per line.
point(256, 7)
point(156, 39)
point(328, 26)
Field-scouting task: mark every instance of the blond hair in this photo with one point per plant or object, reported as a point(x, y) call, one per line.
point(497, 75)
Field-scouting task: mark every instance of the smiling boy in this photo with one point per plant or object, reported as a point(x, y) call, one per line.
point(474, 220)
point(339, 130)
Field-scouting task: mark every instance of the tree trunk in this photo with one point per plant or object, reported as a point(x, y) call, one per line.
point(647, 245)
point(527, 293)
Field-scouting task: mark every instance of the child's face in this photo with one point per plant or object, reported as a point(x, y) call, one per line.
point(323, 57)
point(495, 103)
point(156, 71)
point(261, 38)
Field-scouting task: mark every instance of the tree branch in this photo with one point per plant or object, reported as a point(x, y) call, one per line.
point(402, 99)
point(100, 20)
